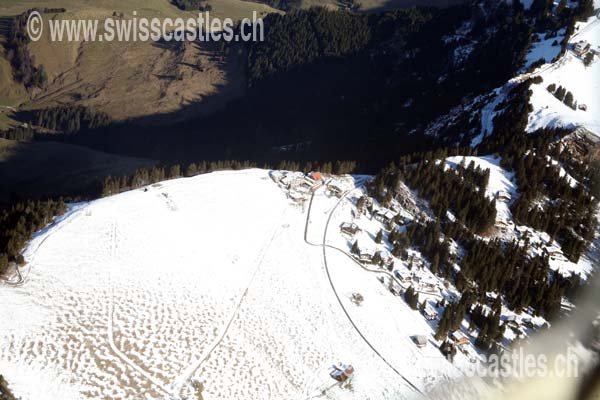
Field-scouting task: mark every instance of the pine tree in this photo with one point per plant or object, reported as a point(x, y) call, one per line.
point(192, 170)
point(3, 263)
point(379, 236)
point(355, 249)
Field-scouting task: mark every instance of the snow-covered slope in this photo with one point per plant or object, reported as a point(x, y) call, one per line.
point(209, 279)
point(571, 73)
point(500, 181)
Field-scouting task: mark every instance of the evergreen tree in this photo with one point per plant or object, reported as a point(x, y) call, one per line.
point(379, 236)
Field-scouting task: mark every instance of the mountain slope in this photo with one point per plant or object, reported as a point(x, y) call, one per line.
point(129, 80)
point(206, 278)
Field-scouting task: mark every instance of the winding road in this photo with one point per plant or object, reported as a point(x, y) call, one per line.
point(325, 246)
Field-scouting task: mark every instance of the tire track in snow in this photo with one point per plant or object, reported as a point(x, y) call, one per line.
point(189, 371)
point(110, 329)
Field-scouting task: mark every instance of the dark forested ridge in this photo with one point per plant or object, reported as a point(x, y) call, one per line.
point(335, 85)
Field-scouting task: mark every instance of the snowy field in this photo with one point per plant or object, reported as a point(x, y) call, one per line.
point(571, 73)
point(206, 279)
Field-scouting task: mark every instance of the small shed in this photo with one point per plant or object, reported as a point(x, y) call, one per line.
point(342, 373)
point(357, 298)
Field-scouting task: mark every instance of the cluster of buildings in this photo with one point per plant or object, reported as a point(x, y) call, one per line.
point(299, 186)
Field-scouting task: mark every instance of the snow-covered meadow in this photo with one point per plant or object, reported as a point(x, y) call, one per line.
point(205, 279)
point(570, 72)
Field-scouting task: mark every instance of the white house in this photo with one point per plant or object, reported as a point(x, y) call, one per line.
point(430, 313)
point(403, 275)
point(581, 47)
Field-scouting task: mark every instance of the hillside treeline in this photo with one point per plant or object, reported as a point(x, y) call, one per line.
point(70, 119)
point(22, 61)
point(144, 176)
point(19, 221)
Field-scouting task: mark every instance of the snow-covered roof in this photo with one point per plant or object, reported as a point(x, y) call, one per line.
point(429, 309)
point(401, 273)
point(459, 336)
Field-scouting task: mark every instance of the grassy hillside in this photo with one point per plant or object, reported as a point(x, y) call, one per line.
point(128, 80)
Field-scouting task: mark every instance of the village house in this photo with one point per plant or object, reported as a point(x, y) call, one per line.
point(428, 284)
point(460, 338)
point(420, 340)
point(402, 219)
point(402, 275)
point(292, 180)
point(313, 180)
point(503, 196)
point(384, 216)
point(512, 322)
point(385, 257)
point(297, 197)
point(366, 254)
point(502, 225)
point(276, 176)
point(581, 48)
point(349, 228)
point(334, 190)
point(528, 323)
point(430, 313)
point(553, 252)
